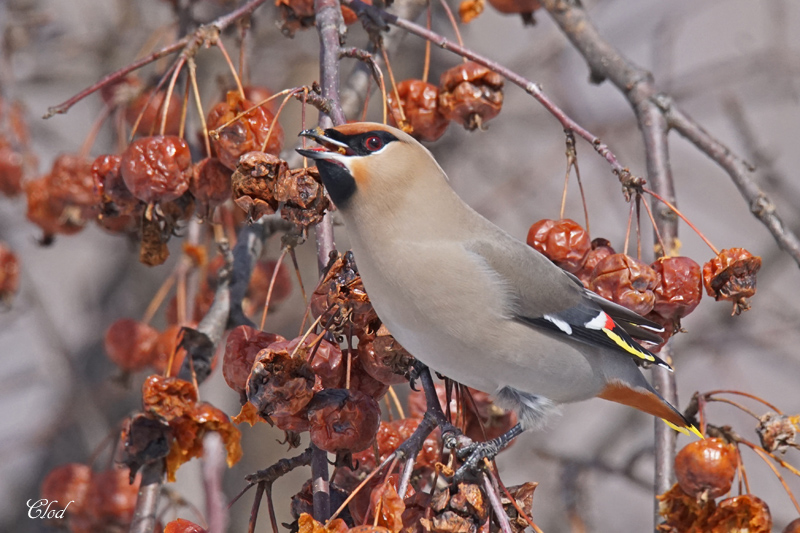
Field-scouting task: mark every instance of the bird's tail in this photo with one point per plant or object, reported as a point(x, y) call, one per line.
point(649, 401)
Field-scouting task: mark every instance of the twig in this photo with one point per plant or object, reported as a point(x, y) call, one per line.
point(194, 40)
point(494, 500)
point(213, 467)
point(144, 517)
point(534, 89)
point(249, 244)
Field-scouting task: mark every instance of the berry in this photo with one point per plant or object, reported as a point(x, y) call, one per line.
point(626, 281)
point(241, 348)
point(705, 468)
point(157, 168)
point(383, 358)
point(68, 483)
point(564, 242)
point(419, 101)
point(210, 184)
point(245, 134)
point(181, 525)
point(343, 420)
point(470, 94)
point(279, 384)
point(679, 288)
point(111, 499)
point(129, 344)
point(303, 196)
point(741, 513)
point(731, 275)
point(601, 249)
point(253, 183)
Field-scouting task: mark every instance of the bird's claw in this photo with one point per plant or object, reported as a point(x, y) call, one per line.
point(473, 457)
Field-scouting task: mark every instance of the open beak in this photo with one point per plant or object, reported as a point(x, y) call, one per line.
point(327, 145)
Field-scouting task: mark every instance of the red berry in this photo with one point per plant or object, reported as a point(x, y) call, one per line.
point(157, 168)
point(183, 526)
point(679, 288)
point(470, 94)
point(129, 343)
point(563, 241)
point(705, 468)
point(112, 498)
point(68, 483)
point(626, 281)
point(343, 420)
point(246, 134)
point(419, 101)
point(745, 513)
point(241, 348)
point(210, 184)
point(731, 275)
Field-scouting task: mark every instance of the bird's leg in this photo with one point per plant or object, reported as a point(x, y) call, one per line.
point(433, 407)
point(475, 453)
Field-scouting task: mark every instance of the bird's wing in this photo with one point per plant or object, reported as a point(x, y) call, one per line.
point(544, 296)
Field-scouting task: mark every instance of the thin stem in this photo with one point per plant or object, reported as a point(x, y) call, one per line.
point(165, 103)
point(655, 227)
point(677, 212)
point(271, 286)
point(235, 75)
point(765, 457)
point(735, 404)
point(746, 395)
point(200, 112)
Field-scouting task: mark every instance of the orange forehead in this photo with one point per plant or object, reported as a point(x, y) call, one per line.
point(357, 128)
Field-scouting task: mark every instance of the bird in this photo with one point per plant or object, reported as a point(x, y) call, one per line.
point(469, 300)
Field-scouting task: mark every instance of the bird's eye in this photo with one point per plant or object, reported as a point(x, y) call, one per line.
point(374, 143)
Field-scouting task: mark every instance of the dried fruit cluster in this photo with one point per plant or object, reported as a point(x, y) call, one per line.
point(93, 501)
point(17, 160)
point(468, 94)
point(705, 471)
point(665, 291)
point(263, 182)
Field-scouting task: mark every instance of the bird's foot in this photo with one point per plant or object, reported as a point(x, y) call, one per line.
point(473, 453)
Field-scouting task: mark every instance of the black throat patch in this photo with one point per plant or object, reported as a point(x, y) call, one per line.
point(340, 184)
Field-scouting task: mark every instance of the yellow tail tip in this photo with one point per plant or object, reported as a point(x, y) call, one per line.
point(688, 430)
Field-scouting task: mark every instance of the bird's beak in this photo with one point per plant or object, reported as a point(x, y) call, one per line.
point(328, 145)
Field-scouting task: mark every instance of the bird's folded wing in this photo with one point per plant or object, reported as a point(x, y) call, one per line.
point(544, 296)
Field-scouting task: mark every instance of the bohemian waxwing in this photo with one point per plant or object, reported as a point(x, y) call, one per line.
point(469, 300)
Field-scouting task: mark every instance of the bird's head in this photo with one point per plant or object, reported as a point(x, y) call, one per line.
point(365, 158)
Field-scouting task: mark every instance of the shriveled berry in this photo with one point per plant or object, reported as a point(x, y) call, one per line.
point(778, 432)
point(245, 134)
point(129, 344)
point(341, 300)
point(626, 281)
point(601, 249)
point(470, 94)
point(112, 498)
point(9, 273)
point(152, 110)
point(153, 248)
point(295, 15)
point(343, 420)
point(361, 381)
point(679, 288)
point(683, 512)
point(563, 241)
point(417, 111)
point(745, 513)
point(107, 175)
point(157, 168)
point(279, 384)
point(303, 196)
point(705, 468)
point(210, 184)
point(383, 358)
point(469, 10)
point(731, 275)
point(45, 210)
point(241, 348)
point(68, 483)
point(253, 183)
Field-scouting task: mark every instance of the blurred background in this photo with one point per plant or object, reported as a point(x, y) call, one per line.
point(734, 65)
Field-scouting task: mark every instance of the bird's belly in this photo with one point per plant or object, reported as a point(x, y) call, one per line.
point(466, 337)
